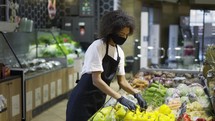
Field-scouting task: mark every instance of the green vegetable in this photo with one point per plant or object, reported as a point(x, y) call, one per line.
point(154, 85)
point(198, 90)
point(185, 98)
point(162, 92)
point(170, 92)
point(184, 89)
point(204, 101)
point(152, 89)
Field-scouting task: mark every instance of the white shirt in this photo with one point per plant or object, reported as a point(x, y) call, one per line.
point(96, 52)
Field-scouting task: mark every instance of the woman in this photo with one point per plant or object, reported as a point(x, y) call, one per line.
point(103, 59)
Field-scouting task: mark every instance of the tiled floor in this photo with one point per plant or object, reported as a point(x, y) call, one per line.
point(55, 113)
point(58, 111)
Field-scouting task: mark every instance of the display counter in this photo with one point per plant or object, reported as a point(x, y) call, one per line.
point(11, 99)
point(170, 95)
point(44, 80)
point(46, 89)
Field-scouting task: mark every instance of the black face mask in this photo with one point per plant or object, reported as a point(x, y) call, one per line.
point(117, 39)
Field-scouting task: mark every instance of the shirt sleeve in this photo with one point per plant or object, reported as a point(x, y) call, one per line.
point(121, 67)
point(93, 59)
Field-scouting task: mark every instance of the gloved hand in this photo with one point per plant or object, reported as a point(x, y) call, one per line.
point(140, 100)
point(130, 105)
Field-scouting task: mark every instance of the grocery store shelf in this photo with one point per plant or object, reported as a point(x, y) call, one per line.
point(173, 70)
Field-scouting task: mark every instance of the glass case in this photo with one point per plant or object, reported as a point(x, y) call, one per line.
point(56, 43)
point(179, 58)
point(7, 55)
point(39, 51)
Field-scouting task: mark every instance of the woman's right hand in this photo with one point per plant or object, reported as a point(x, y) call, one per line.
point(130, 105)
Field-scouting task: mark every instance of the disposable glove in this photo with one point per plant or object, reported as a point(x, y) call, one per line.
point(140, 100)
point(130, 105)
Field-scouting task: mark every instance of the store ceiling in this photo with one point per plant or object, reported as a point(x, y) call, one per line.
point(194, 4)
point(190, 1)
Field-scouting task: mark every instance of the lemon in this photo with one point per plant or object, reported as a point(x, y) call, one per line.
point(164, 109)
point(120, 113)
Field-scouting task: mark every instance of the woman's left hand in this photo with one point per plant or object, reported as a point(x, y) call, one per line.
point(140, 100)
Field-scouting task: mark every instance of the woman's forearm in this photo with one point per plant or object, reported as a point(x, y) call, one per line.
point(123, 83)
point(99, 83)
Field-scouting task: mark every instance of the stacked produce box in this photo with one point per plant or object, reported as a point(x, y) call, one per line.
point(170, 96)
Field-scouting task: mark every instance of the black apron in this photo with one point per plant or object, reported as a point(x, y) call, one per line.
point(86, 99)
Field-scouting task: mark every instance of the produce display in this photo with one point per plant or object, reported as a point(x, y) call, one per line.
point(167, 95)
point(38, 64)
point(140, 84)
point(155, 94)
point(209, 68)
point(56, 46)
point(120, 113)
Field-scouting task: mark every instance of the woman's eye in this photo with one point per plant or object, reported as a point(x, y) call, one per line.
point(122, 35)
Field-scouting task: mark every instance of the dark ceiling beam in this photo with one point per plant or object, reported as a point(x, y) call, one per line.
point(191, 3)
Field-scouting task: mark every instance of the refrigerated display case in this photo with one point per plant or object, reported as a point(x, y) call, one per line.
point(7, 54)
point(21, 43)
point(57, 43)
point(10, 84)
point(43, 50)
point(47, 75)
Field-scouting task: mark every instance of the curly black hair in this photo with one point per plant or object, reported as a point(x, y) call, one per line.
point(114, 21)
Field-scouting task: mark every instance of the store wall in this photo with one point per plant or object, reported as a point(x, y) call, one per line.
point(170, 14)
point(133, 8)
point(37, 11)
point(2, 11)
point(164, 14)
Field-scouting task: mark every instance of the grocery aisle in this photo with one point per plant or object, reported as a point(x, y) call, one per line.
point(55, 113)
point(58, 111)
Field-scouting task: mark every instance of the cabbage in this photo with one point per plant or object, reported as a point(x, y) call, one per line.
point(176, 95)
point(172, 91)
point(192, 96)
point(197, 90)
point(185, 98)
point(204, 101)
point(184, 89)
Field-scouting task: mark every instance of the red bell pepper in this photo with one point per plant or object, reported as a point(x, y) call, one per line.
point(201, 119)
point(184, 117)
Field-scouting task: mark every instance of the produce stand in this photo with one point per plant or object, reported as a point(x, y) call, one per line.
point(170, 94)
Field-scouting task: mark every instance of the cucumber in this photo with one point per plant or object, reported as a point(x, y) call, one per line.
point(149, 94)
point(152, 89)
point(154, 85)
